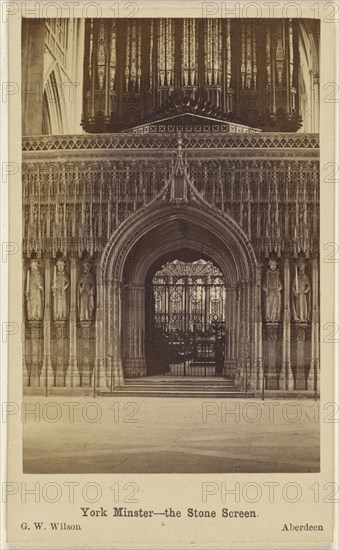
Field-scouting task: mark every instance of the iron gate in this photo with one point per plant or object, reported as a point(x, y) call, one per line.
point(189, 318)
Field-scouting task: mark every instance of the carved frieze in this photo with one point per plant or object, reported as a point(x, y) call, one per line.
point(275, 202)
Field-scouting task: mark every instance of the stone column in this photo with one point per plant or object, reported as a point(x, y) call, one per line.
point(241, 330)
point(100, 375)
point(114, 336)
point(24, 334)
point(230, 330)
point(35, 341)
point(259, 366)
point(76, 108)
point(107, 290)
point(33, 41)
point(72, 376)
point(128, 330)
point(302, 338)
point(140, 290)
point(25, 358)
point(286, 380)
point(238, 332)
point(47, 375)
point(252, 344)
point(248, 315)
point(246, 339)
point(61, 352)
point(316, 102)
point(234, 327)
point(314, 374)
point(134, 330)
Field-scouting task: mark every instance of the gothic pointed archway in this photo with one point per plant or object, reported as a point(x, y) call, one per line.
point(153, 233)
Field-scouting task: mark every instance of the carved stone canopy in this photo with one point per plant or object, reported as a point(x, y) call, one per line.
point(180, 189)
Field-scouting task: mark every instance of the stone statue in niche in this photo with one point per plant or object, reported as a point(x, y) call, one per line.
point(272, 288)
point(59, 289)
point(301, 295)
point(34, 292)
point(86, 293)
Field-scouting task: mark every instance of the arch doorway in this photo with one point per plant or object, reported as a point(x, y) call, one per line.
point(132, 265)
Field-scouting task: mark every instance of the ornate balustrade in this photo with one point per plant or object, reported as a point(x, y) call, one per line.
point(132, 141)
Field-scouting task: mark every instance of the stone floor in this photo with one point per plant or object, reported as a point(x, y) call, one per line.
point(169, 435)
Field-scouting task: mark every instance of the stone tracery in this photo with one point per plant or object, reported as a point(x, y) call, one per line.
point(98, 197)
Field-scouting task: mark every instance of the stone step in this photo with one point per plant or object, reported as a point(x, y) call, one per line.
point(179, 386)
point(169, 380)
point(177, 393)
point(58, 390)
point(168, 387)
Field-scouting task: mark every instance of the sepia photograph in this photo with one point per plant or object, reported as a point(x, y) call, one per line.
point(170, 194)
point(170, 242)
